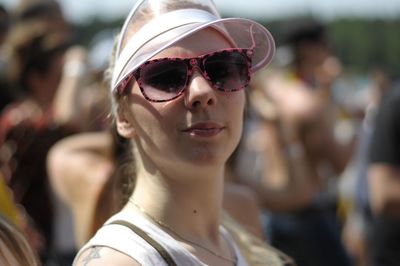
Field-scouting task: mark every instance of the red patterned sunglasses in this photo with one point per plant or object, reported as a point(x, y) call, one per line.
point(165, 79)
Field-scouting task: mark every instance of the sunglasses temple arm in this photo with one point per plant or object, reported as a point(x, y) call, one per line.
point(253, 45)
point(122, 87)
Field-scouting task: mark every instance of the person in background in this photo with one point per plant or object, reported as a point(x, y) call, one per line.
point(35, 67)
point(27, 13)
point(178, 106)
point(45, 73)
point(290, 154)
point(384, 183)
point(354, 188)
point(74, 74)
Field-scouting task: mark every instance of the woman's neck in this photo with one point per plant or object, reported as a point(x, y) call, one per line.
point(189, 205)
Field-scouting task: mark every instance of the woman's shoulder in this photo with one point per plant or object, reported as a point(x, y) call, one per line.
point(100, 255)
point(116, 238)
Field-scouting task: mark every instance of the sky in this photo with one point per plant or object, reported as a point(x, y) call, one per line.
point(83, 10)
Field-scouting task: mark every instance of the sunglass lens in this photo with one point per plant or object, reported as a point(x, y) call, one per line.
point(228, 71)
point(163, 80)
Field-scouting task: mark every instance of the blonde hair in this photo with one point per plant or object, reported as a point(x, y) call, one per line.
point(14, 247)
point(256, 251)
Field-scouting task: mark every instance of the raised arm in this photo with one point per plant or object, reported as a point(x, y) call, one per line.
point(78, 167)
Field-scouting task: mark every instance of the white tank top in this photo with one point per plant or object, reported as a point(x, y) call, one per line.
point(124, 240)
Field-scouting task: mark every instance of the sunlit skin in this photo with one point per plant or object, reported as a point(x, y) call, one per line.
point(194, 133)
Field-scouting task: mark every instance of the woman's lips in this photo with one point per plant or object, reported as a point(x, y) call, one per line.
point(204, 129)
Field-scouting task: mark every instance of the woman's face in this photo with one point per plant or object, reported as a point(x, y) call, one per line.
point(200, 128)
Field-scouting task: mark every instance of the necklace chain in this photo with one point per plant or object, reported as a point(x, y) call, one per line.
point(164, 225)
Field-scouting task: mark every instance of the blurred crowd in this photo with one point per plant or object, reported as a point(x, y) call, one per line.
point(319, 158)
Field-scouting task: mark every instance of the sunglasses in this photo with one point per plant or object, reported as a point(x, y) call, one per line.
point(165, 79)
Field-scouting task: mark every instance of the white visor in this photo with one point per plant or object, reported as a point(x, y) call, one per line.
point(154, 25)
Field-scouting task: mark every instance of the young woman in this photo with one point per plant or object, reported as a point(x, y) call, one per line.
point(178, 80)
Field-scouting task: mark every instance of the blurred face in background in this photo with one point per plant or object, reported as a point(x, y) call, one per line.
point(46, 83)
point(4, 25)
point(314, 51)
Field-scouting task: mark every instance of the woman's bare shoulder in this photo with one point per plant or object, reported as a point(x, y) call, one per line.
point(102, 256)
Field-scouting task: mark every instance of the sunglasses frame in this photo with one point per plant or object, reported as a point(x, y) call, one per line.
point(191, 63)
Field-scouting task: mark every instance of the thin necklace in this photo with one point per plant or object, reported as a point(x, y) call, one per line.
point(164, 225)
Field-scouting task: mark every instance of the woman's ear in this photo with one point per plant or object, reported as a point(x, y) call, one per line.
point(124, 125)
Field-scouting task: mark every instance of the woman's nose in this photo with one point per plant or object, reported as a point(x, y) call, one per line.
point(199, 94)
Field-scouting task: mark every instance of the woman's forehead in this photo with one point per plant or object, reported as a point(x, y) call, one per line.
point(205, 41)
